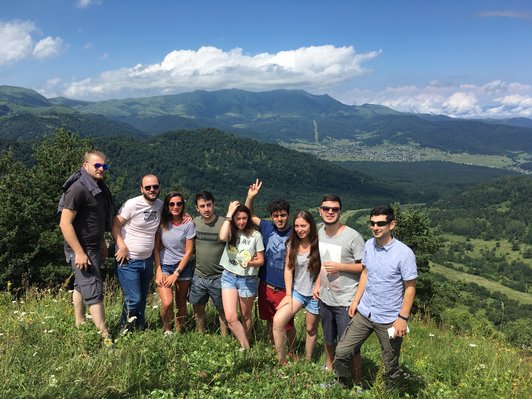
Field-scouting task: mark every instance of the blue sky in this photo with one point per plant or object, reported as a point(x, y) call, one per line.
point(467, 58)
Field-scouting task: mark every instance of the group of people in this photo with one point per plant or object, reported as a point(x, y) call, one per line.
point(353, 287)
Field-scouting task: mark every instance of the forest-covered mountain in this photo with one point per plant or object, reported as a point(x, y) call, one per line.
point(265, 116)
point(25, 115)
point(226, 164)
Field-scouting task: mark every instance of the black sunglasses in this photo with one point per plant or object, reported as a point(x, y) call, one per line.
point(154, 186)
point(104, 166)
point(172, 204)
point(380, 223)
point(326, 209)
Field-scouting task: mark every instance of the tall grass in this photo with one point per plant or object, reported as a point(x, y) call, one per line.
point(43, 355)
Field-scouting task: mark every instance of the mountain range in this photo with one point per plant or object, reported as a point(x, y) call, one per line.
point(287, 115)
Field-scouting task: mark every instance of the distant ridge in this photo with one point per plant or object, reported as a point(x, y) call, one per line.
point(270, 116)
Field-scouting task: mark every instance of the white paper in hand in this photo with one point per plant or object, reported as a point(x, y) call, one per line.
point(391, 331)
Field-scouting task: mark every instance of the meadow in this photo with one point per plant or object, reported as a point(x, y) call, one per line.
point(43, 355)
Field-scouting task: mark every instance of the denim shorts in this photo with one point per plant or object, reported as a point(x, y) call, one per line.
point(334, 320)
point(203, 288)
point(246, 285)
point(186, 273)
point(311, 305)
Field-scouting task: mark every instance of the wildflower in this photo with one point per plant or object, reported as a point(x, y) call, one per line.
point(15, 312)
point(431, 335)
point(53, 381)
point(13, 301)
point(482, 366)
point(1, 334)
point(154, 307)
point(473, 345)
point(88, 316)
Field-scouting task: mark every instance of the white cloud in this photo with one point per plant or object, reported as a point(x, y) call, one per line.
point(87, 3)
point(17, 42)
point(495, 99)
point(211, 68)
point(514, 14)
point(48, 47)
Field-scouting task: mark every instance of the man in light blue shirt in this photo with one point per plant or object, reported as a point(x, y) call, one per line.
point(382, 301)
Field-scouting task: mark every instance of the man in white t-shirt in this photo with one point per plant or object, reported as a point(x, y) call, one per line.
point(134, 231)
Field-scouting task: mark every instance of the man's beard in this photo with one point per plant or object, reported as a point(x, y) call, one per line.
point(147, 198)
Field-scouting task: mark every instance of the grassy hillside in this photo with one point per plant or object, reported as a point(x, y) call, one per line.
point(44, 356)
point(455, 275)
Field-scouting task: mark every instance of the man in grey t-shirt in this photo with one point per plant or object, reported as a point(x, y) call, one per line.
point(206, 281)
point(341, 250)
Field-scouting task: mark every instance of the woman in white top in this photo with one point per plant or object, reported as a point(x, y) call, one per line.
point(241, 259)
point(302, 267)
point(174, 243)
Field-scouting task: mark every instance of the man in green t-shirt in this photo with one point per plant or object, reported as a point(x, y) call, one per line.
point(206, 280)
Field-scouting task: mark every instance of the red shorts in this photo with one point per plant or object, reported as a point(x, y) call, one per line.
point(269, 298)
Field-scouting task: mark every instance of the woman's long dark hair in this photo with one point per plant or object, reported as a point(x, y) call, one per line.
point(314, 261)
point(166, 217)
point(248, 228)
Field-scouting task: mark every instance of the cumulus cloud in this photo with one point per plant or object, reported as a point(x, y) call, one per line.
point(48, 47)
point(496, 99)
point(17, 42)
point(211, 68)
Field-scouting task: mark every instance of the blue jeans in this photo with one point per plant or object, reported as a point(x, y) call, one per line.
point(135, 277)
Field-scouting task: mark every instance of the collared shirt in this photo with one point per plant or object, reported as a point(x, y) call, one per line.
point(387, 269)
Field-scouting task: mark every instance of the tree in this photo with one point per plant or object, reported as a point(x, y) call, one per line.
point(414, 229)
point(31, 244)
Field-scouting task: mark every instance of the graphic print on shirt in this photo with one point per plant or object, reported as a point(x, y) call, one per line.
point(150, 216)
point(240, 257)
point(330, 253)
point(275, 252)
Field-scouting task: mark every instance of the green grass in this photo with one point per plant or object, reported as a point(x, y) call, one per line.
point(44, 356)
point(455, 275)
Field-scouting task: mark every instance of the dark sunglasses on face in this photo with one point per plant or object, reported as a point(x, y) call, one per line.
point(380, 223)
point(104, 166)
point(326, 209)
point(172, 204)
point(153, 186)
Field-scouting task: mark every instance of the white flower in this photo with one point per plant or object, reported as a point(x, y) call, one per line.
point(473, 345)
point(431, 335)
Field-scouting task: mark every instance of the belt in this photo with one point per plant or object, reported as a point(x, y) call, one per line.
point(274, 288)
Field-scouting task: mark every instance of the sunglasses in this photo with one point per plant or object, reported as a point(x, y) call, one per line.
point(104, 166)
point(326, 209)
point(153, 186)
point(380, 223)
point(172, 204)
